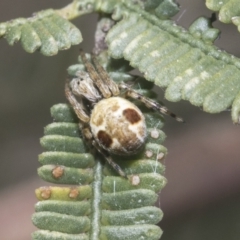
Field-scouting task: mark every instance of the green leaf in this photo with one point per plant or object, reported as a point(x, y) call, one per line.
point(46, 31)
point(64, 207)
point(54, 221)
point(51, 235)
point(144, 231)
point(227, 9)
point(201, 28)
point(185, 63)
point(65, 175)
point(131, 217)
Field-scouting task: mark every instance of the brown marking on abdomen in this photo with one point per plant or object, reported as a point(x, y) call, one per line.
point(131, 115)
point(104, 138)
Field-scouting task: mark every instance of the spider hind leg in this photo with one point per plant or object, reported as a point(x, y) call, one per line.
point(149, 102)
point(92, 143)
point(110, 161)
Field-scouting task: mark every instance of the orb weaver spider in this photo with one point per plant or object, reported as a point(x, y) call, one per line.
point(108, 121)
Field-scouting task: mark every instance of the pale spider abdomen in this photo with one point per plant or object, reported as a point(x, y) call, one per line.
point(118, 126)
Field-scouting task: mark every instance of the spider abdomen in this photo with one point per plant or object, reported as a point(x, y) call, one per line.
point(118, 126)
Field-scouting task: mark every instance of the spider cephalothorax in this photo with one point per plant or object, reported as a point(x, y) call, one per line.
point(109, 122)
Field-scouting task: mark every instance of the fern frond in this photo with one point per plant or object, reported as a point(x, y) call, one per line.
point(98, 204)
point(46, 31)
point(164, 9)
point(201, 28)
point(229, 10)
point(191, 68)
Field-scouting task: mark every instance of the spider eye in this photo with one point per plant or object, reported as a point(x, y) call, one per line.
point(78, 82)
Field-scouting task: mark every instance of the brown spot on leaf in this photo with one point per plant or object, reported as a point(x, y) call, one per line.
point(148, 154)
point(74, 192)
point(45, 192)
point(135, 180)
point(155, 134)
point(58, 172)
point(104, 139)
point(160, 156)
point(131, 115)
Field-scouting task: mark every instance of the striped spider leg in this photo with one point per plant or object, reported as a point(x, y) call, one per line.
point(148, 102)
point(86, 131)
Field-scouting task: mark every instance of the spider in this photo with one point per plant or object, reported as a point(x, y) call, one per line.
point(109, 122)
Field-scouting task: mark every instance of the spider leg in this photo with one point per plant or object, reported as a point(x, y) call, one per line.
point(77, 107)
point(95, 77)
point(148, 102)
point(113, 87)
point(110, 161)
point(91, 142)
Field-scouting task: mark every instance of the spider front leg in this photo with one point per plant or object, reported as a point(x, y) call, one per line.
point(113, 87)
point(148, 102)
point(95, 76)
point(77, 107)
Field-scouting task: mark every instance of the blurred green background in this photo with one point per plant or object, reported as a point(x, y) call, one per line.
point(202, 197)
